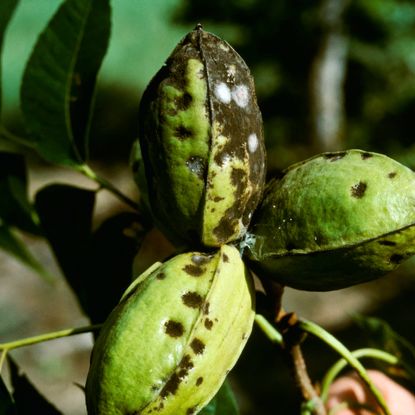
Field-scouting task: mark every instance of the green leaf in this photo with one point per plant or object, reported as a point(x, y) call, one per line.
point(382, 336)
point(98, 266)
point(12, 244)
point(27, 398)
point(7, 8)
point(15, 208)
point(91, 53)
point(224, 403)
point(59, 79)
point(6, 403)
point(65, 214)
point(108, 269)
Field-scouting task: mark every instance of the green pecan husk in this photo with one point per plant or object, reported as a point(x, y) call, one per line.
point(334, 220)
point(176, 333)
point(201, 138)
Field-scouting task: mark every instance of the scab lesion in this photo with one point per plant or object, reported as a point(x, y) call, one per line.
point(172, 385)
point(174, 328)
point(335, 156)
point(197, 346)
point(396, 259)
point(199, 381)
point(208, 324)
point(358, 190)
point(194, 270)
point(183, 133)
point(186, 100)
point(161, 276)
point(192, 299)
point(366, 155)
point(387, 243)
point(170, 388)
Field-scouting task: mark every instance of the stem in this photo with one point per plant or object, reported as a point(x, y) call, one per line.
point(3, 357)
point(302, 379)
point(14, 138)
point(333, 372)
point(314, 329)
point(275, 292)
point(269, 330)
point(48, 336)
point(88, 172)
point(310, 396)
point(84, 168)
point(6, 347)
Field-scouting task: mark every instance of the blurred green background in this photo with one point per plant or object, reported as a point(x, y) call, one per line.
point(329, 74)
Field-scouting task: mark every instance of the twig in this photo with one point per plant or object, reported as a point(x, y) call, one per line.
point(88, 172)
point(329, 339)
point(293, 337)
point(269, 330)
point(287, 335)
point(303, 381)
point(274, 292)
point(49, 336)
point(6, 347)
point(334, 370)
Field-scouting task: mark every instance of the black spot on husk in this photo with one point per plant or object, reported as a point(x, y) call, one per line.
point(186, 101)
point(170, 388)
point(225, 229)
point(192, 299)
point(358, 190)
point(174, 328)
point(335, 156)
point(194, 270)
point(396, 258)
point(199, 381)
point(186, 362)
point(183, 132)
point(197, 346)
point(208, 324)
point(387, 243)
point(238, 177)
point(366, 156)
point(173, 383)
